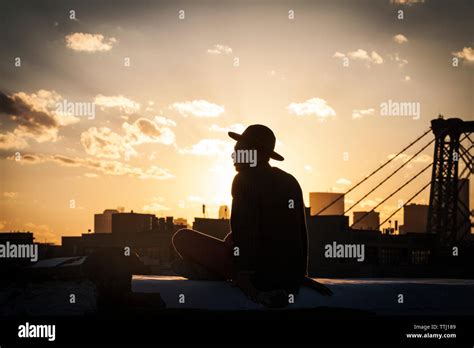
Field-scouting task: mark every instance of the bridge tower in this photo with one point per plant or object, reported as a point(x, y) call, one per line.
point(448, 216)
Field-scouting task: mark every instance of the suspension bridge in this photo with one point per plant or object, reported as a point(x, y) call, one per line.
point(449, 218)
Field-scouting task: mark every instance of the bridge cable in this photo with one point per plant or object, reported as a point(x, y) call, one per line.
point(411, 198)
point(388, 177)
point(394, 192)
point(376, 170)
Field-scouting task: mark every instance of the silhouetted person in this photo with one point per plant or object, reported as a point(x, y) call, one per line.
point(266, 252)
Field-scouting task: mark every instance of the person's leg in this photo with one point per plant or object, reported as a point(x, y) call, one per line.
point(215, 255)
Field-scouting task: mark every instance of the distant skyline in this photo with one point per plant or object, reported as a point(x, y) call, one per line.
point(128, 103)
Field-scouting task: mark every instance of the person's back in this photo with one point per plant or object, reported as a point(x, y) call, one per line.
point(268, 225)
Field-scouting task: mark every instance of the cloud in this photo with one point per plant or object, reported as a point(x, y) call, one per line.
point(361, 113)
point(25, 114)
point(308, 168)
point(348, 201)
point(370, 203)
point(34, 116)
point(155, 205)
point(10, 140)
point(106, 167)
point(236, 127)
point(150, 108)
point(104, 143)
point(407, 2)
point(467, 53)
point(91, 175)
point(10, 194)
point(83, 42)
point(403, 157)
point(144, 131)
point(343, 181)
point(396, 58)
point(407, 78)
point(361, 55)
point(400, 39)
point(198, 108)
point(314, 106)
point(29, 158)
point(42, 233)
point(119, 101)
point(163, 121)
point(194, 199)
point(43, 101)
point(209, 147)
point(219, 49)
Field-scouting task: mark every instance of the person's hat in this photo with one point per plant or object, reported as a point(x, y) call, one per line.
point(261, 137)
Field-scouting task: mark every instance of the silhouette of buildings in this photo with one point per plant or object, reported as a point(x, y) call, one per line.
point(181, 222)
point(412, 253)
point(415, 218)
point(144, 234)
point(385, 255)
point(217, 228)
point(370, 222)
point(223, 212)
point(320, 200)
point(463, 219)
point(103, 222)
point(16, 237)
point(10, 265)
point(134, 223)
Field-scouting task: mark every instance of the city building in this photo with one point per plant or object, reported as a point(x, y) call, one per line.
point(320, 200)
point(415, 218)
point(103, 222)
point(463, 217)
point(384, 255)
point(217, 228)
point(223, 212)
point(182, 223)
point(45, 250)
point(369, 222)
point(144, 234)
point(133, 223)
point(16, 237)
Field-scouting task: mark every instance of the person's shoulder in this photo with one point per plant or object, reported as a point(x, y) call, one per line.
point(240, 181)
point(285, 175)
point(281, 172)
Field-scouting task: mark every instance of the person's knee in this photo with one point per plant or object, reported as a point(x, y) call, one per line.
point(179, 239)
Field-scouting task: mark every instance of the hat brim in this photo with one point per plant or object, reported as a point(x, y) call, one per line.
point(274, 155)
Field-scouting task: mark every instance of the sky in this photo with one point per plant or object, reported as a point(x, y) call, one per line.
point(107, 104)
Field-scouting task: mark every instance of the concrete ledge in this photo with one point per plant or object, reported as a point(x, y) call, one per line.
point(378, 296)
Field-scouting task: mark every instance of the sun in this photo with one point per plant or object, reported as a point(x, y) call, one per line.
point(220, 182)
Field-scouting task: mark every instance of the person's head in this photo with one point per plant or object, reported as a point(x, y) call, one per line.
point(246, 155)
point(254, 147)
